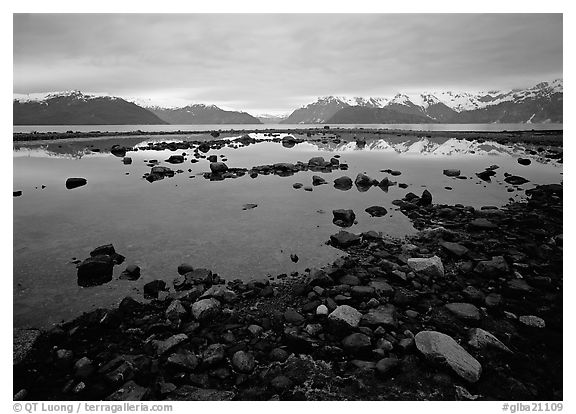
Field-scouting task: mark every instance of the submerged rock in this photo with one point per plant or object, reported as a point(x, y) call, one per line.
point(95, 270)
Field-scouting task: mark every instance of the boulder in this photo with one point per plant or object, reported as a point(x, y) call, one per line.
point(425, 199)
point(184, 268)
point(127, 160)
point(516, 180)
point(318, 162)
point(175, 159)
point(317, 180)
point(362, 180)
point(524, 161)
point(205, 309)
point(429, 266)
point(345, 316)
point(75, 182)
point(441, 348)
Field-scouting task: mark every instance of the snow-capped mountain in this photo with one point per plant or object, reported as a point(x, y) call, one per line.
point(271, 118)
point(538, 104)
point(76, 108)
point(201, 114)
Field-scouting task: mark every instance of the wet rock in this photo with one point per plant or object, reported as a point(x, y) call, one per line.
point(441, 348)
point(343, 218)
point(481, 339)
point(376, 211)
point(345, 316)
point(243, 362)
point(163, 347)
point(382, 316)
point(175, 311)
point(132, 272)
point(118, 150)
point(199, 276)
point(151, 289)
point(451, 172)
point(95, 271)
point(127, 160)
point(429, 266)
point(218, 167)
point(344, 239)
point(485, 175)
point(130, 391)
point(532, 321)
point(465, 311)
point(516, 180)
point(72, 183)
point(205, 309)
point(24, 341)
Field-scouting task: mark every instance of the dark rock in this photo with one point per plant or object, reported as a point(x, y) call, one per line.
point(218, 167)
point(17, 193)
point(387, 366)
point(297, 185)
point(293, 317)
point(465, 311)
point(191, 393)
point(343, 218)
point(249, 206)
point(376, 211)
point(344, 239)
point(382, 316)
point(516, 180)
point(95, 271)
point(317, 180)
point(185, 268)
point(127, 160)
point(426, 198)
point(130, 391)
point(356, 342)
point(205, 309)
point(524, 161)
point(175, 159)
point(243, 362)
point(75, 182)
point(454, 248)
point(452, 172)
point(151, 289)
point(343, 183)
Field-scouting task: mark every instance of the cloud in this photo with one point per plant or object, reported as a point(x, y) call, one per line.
point(278, 62)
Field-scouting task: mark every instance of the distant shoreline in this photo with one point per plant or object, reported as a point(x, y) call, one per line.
point(543, 137)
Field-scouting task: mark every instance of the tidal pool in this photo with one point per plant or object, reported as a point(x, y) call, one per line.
point(188, 218)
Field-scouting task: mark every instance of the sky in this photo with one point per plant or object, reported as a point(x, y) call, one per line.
point(274, 63)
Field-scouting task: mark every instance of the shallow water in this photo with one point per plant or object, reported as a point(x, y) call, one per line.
point(181, 219)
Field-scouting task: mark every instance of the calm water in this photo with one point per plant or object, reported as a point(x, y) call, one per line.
point(190, 219)
point(156, 128)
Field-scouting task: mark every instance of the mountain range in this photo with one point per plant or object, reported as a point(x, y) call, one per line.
point(542, 103)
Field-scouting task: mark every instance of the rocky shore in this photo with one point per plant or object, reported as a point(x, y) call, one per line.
point(468, 309)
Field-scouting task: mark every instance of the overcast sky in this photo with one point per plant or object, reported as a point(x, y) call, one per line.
point(275, 63)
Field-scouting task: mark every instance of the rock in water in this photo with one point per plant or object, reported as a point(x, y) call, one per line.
point(75, 182)
point(317, 180)
point(430, 266)
point(516, 180)
point(132, 272)
point(426, 198)
point(452, 172)
point(151, 289)
point(376, 211)
point(344, 239)
point(95, 270)
point(343, 218)
point(439, 347)
point(218, 167)
point(524, 161)
point(343, 183)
